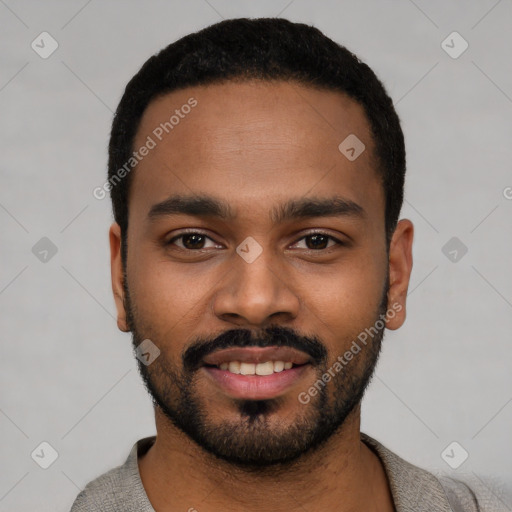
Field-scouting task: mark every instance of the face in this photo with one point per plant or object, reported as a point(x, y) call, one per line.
point(255, 244)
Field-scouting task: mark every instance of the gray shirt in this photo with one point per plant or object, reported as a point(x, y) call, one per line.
point(412, 488)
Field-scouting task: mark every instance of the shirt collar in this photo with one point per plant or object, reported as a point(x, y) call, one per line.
point(412, 488)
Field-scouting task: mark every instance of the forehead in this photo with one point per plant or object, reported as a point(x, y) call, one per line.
point(255, 142)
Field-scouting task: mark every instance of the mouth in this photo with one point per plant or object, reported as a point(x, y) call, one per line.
point(256, 373)
point(261, 369)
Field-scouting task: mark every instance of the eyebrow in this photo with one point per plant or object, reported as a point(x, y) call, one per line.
point(302, 208)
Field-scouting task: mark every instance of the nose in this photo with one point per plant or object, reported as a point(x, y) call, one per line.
point(256, 294)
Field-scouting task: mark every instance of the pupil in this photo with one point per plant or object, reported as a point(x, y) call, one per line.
point(315, 239)
point(194, 241)
point(194, 238)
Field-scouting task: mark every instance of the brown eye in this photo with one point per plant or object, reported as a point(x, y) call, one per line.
point(190, 241)
point(319, 241)
point(193, 241)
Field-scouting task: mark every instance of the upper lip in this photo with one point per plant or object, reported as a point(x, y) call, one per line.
point(257, 355)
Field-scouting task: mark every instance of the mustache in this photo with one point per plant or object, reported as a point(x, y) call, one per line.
point(193, 356)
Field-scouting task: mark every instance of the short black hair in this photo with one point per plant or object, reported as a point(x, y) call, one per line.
point(266, 49)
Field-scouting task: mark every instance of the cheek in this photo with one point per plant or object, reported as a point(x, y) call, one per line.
point(347, 299)
point(166, 295)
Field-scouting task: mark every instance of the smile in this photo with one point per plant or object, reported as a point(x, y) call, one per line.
point(266, 368)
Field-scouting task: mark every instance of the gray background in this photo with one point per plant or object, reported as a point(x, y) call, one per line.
point(68, 376)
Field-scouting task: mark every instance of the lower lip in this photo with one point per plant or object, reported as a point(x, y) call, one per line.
point(256, 387)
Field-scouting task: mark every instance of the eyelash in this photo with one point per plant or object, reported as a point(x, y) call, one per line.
point(185, 233)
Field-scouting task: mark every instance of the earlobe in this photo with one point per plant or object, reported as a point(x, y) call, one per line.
point(116, 269)
point(400, 267)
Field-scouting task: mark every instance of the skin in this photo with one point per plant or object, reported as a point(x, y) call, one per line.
point(256, 145)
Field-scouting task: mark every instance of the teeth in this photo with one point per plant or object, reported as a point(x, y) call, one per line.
point(234, 367)
point(278, 366)
point(247, 368)
point(266, 368)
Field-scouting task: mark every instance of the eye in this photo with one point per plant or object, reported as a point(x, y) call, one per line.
point(192, 240)
point(319, 241)
point(195, 241)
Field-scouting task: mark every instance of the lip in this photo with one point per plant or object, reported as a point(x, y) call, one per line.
point(255, 387)
point(257, 355)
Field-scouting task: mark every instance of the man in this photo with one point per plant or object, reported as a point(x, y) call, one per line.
point(256, 170)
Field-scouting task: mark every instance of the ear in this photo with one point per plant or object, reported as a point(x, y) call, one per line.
point(400, 267)
point(116, 270)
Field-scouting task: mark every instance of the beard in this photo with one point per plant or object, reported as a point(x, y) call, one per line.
point(260, 437)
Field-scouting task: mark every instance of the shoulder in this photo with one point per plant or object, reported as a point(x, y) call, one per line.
point(119, 489)
point(100, 493)
point(472, 493)
point(414, 488)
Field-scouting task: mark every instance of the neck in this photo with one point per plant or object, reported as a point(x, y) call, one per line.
point(342, 475)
